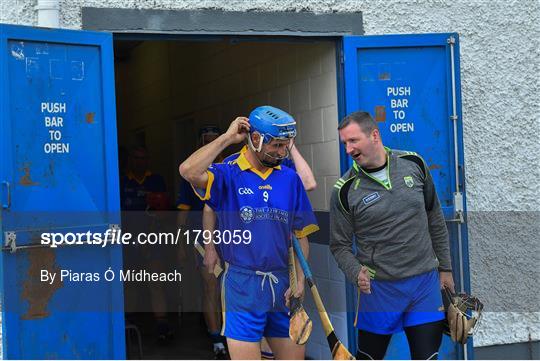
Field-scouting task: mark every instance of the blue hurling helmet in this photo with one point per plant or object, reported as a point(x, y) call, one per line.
point(271, 123)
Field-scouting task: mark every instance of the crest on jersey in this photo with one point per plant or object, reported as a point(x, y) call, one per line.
point(409, 182)
point(246, 214)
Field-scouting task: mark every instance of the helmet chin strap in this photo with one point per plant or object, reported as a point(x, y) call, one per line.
point(268, 164)
point(276, 160)
point(259, 147)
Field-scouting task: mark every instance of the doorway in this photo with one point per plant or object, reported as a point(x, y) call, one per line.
point(167, 91)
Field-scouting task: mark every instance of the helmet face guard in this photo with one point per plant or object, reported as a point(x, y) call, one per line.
point(267, 138)
point(275, 161)
point(270, 123)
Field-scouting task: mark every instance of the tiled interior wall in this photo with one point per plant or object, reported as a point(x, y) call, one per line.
point(143, 104)
point(171, 89)
point(331, 285)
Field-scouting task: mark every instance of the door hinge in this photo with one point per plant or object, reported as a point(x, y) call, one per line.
point(115, 228)
point(10, 241)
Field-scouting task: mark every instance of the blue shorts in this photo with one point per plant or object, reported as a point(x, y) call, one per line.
point(250, 309)
point(394, 305)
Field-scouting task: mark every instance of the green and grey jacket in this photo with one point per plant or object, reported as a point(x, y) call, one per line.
point(399, 228)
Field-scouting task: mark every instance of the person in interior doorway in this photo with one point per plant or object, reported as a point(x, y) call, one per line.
point(296, 162)
point(142, 192)
point(138, 181)
point(190, 214)
point(388, 204)
point(256, 195)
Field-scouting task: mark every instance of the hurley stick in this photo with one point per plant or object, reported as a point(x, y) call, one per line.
point(300, 325)
point(339, 352)
point(202, 252)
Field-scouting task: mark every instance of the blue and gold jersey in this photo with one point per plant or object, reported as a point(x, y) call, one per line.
point(270, 205)
point(133, 191)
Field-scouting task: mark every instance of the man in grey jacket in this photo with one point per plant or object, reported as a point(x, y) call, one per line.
point(388, 204)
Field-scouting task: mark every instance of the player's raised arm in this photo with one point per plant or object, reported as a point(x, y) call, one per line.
point(194, 169)
point(303, 169)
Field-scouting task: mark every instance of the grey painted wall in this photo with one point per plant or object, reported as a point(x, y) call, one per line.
point(516, 351)
point(499, 69)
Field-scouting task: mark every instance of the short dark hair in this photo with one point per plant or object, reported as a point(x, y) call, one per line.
point(363, 119)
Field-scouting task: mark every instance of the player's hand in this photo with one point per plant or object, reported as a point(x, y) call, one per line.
point(300, 288)
point(298, 294)
point(364, 282)
point(447, 281)
point(238, 130)
point(211, 259)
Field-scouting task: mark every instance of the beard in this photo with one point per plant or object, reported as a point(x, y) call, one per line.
point(270, 161)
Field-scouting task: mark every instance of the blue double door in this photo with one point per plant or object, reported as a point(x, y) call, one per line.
point(59, 172)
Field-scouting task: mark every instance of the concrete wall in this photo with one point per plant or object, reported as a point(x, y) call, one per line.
point(499, 69)
point(515, 351)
